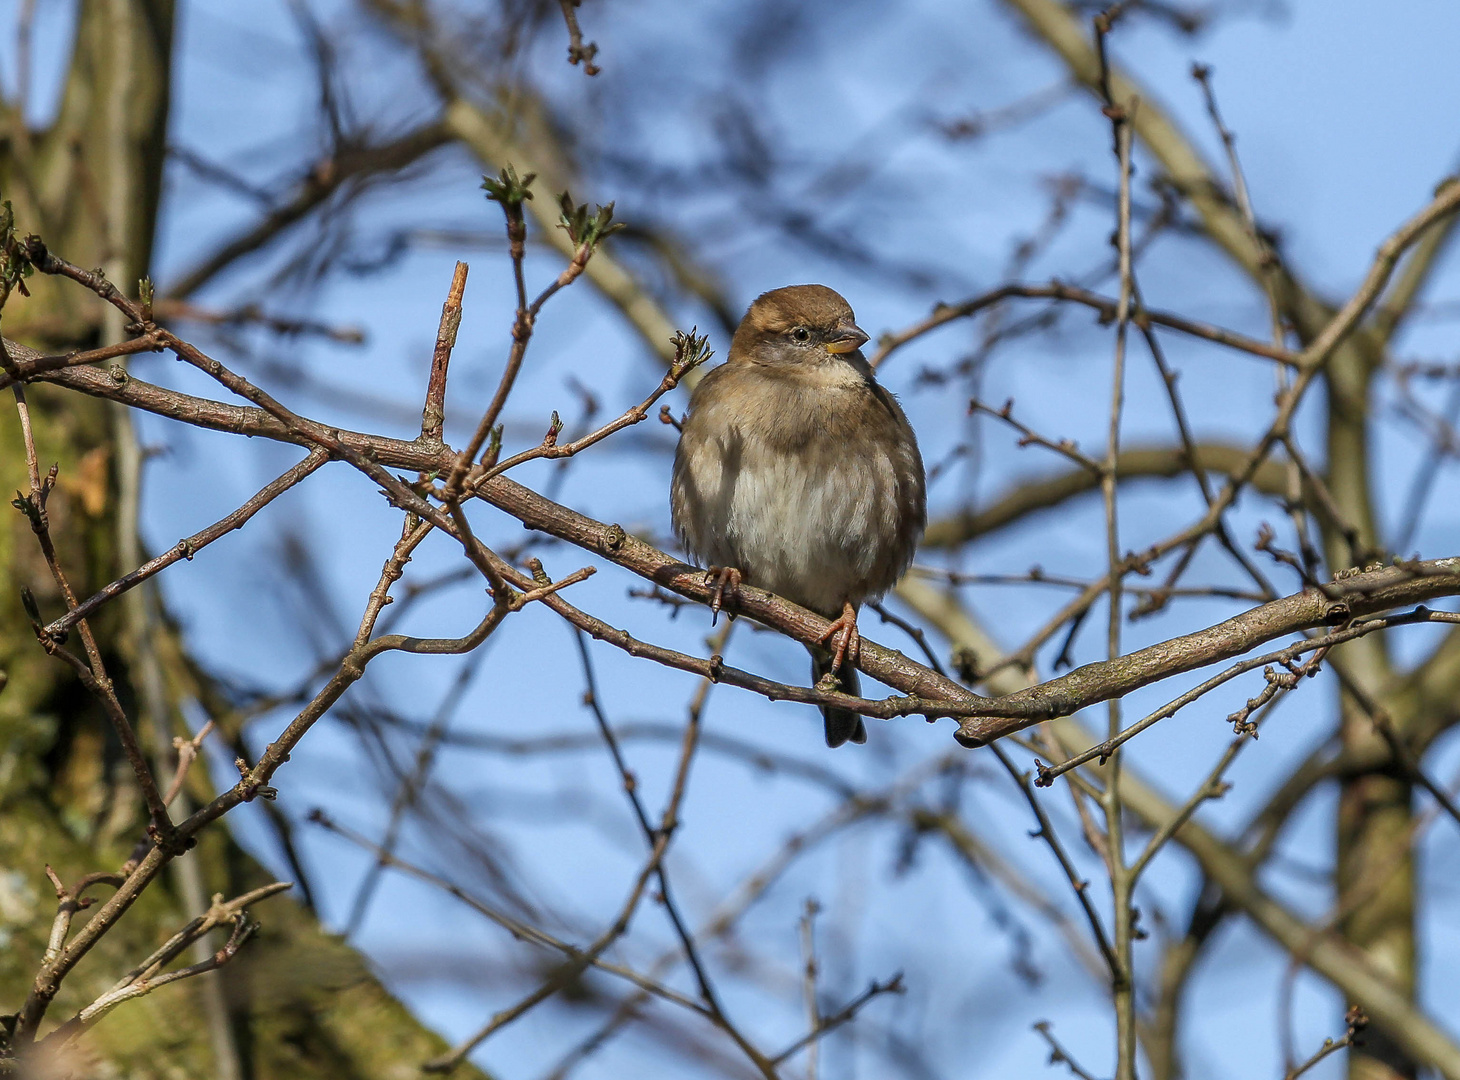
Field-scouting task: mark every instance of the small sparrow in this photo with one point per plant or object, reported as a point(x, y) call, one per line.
point(797, 473)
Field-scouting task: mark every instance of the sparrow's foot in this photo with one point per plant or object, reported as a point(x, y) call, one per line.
point(848, 639)
point(726, 579)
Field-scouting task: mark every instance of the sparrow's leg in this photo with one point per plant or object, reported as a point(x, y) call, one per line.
point(848, 639)
point(726, 579)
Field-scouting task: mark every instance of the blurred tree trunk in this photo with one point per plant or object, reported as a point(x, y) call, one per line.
point(298, 1002)
point(1374, 876)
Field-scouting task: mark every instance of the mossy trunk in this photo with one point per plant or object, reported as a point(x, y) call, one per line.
point(297, 1002)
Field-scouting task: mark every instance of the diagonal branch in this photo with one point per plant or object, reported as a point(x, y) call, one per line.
point(926, 691)
point(1133, 463)
point(316, 187)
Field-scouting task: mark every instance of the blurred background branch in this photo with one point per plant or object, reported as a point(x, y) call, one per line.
point(300, 180)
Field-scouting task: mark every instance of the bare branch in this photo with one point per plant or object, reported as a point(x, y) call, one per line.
point(577, 51)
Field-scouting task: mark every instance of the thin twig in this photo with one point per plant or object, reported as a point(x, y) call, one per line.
point(652, 835)
point(189, 547)
point(1356, 1021)
point(944, 314)
point(516, 927)
point(1058, 1055)
point(92, 671)
point(1122, 879)
point(147, 976)
point(433, 413)
point(823, 1025)
point(577, 51)
point(808, 993)
point(1046, 832)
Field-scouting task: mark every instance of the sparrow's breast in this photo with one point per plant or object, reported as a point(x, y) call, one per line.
point(816, 502)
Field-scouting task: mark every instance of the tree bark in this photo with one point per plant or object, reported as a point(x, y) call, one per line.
point(1374, 876)
point(297, 1002)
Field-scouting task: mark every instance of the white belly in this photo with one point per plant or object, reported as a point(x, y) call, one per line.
point(817, 537)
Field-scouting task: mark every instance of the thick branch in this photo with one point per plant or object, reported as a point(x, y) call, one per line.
point(927, 692)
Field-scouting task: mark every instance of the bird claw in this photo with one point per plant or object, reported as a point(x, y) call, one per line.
point(848, 638)
point(725, 579)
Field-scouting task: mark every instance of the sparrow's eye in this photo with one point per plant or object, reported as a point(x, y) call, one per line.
point(800, 333)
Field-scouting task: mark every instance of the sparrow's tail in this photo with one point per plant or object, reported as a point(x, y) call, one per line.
point(842, 725)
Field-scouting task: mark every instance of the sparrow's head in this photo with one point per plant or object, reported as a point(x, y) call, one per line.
point(800, 324)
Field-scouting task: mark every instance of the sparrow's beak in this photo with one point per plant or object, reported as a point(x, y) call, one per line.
point(848, 337)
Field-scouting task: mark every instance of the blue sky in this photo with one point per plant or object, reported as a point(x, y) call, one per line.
point(1345, 122)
